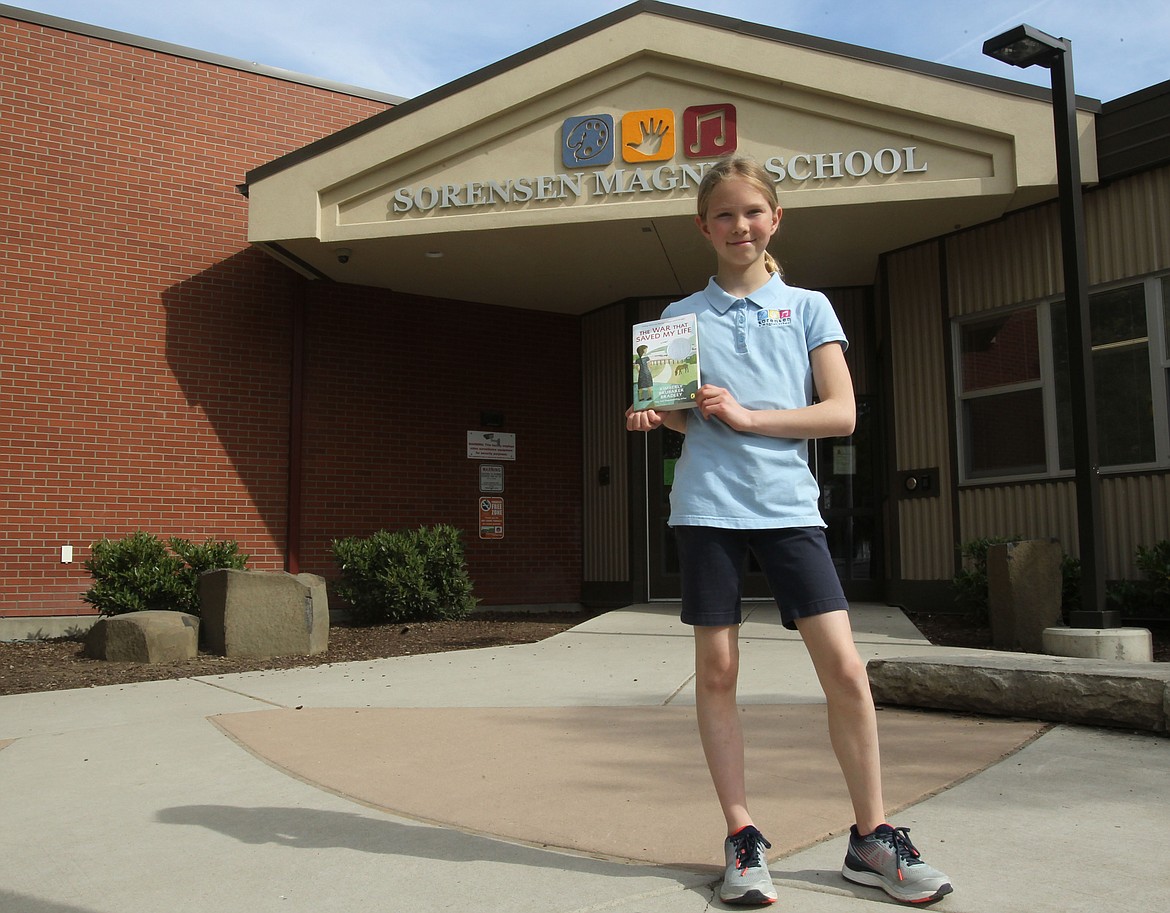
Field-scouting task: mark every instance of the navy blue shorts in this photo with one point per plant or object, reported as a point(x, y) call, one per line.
point(796, 563)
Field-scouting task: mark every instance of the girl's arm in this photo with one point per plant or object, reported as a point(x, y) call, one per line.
point(834, 415)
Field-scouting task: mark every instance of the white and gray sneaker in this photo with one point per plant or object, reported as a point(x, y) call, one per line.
point(887, 859)
point(747, 880)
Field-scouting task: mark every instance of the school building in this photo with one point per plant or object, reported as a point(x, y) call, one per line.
point(247, 304)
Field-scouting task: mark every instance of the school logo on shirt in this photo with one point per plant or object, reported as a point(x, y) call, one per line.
point(771, 317)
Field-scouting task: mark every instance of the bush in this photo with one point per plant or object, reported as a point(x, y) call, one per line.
point(1155, 564)
point(138, 573)
point(971, 580)
point(407, 575)
point(1140, 599)
point(210, 556)
point(1070, 590)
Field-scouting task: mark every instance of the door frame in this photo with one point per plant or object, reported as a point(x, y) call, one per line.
point(659, 559)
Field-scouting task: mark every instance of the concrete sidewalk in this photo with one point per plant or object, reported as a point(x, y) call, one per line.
point(561, 776)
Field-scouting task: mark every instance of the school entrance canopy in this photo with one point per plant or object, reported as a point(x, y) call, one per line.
point(563, 178)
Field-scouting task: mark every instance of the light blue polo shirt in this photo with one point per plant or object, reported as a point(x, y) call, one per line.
point(758, 348)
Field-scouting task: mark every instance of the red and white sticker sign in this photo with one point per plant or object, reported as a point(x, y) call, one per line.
point(491, 518)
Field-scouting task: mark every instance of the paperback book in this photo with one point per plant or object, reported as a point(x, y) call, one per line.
point(666, 363)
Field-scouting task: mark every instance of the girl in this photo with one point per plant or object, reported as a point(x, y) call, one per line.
point(645, 378)
point(743, 483)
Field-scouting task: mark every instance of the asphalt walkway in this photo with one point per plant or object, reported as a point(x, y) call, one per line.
point(554, 777)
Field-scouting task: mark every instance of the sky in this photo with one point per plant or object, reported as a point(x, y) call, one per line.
point(408, 47)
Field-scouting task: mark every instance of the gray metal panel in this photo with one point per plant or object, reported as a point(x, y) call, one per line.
point(1133, 133)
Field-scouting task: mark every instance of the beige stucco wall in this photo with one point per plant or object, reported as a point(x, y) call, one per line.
point(965, 154)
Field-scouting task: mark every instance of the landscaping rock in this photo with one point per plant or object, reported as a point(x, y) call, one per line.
point(144, 637)
point(263, 613)
point(1060, 689)
point(1024, 585)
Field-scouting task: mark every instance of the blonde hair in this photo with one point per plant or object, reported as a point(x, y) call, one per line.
point(744, 168)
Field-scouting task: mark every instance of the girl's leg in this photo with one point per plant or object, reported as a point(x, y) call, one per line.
point(852, 718)
point(720, 730)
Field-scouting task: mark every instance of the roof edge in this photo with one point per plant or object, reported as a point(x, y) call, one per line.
point(446, 91)
point(1138, 97)
point(670, 11)
point(177, 50)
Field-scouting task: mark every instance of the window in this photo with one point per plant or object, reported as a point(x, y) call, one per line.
point(1002, 396)
point(1013, 384)
point(1165, 372)
point(1121, 374)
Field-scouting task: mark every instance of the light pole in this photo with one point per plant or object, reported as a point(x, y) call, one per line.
point(1025, 46)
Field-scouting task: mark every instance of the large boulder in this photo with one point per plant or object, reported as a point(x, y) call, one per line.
point(1024, 582)
point(263, 613)
point(144, 637)
point(1089, 692)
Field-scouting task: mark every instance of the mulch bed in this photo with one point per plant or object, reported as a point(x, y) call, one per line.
point(60, 663)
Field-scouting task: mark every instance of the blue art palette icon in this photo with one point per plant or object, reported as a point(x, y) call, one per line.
point(587, 141)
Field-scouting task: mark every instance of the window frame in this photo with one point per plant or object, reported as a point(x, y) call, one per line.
point(1158, 311)
point(1156, 288)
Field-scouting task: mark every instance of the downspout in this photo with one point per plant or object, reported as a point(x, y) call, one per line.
point(292, 561)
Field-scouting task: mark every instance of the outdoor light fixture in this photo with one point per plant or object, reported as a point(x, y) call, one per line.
point(1025, 46)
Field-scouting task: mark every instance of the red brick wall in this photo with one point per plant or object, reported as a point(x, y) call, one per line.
point(394, 384)
point(144, 347)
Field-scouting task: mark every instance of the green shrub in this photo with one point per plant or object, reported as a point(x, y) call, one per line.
point(407, 575)
point(970, 582)
point(138, 573)
point(1139, 599)
point(212, 555)
point(1070, 589)
point(1154, 563)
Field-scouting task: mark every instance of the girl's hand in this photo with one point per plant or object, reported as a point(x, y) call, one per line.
point(717, 402)
point(642, 419)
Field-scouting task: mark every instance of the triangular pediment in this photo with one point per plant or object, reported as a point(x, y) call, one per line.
point(592, 147)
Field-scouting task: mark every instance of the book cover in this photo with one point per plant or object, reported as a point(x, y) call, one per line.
point(666, 363)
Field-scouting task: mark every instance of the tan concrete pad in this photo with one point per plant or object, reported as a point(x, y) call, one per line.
point(617, 782)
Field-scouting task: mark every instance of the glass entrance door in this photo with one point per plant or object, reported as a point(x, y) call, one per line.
point(846, 469)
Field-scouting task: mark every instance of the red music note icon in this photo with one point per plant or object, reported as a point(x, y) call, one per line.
point(709, 130)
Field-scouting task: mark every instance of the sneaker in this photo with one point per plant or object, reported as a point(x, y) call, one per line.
point(887, 859)
point(747, 880)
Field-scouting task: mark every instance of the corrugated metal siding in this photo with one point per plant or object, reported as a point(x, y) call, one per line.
point(1135, 511)
point(1017, 260)
point(921, 422)
point(606, 526)
point(1127, 227)
point(1044, 510)
point(853, 306)
point(1006, 262)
